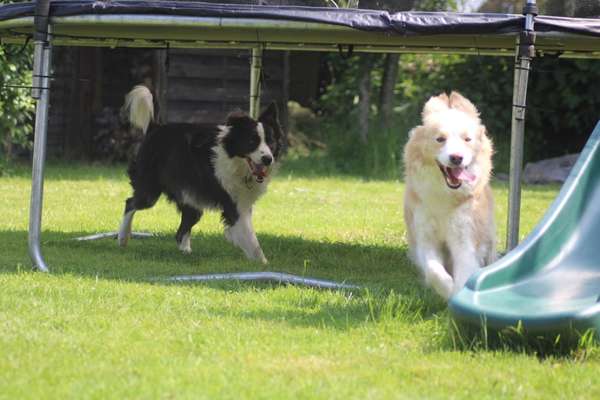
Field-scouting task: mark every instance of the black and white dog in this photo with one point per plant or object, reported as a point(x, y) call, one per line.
point(201, 166)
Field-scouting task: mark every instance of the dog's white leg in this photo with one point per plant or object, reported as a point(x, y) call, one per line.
point(464, 262)
point(436, 276)
point(125, 228)
point(186, 244)
point(491, 254)
point(189, 217)
point(242, 235)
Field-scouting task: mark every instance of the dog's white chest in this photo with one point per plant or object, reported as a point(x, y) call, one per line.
point(438, 209)
point(236, 179)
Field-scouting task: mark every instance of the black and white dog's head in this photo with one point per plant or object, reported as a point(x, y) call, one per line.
point(260, 143)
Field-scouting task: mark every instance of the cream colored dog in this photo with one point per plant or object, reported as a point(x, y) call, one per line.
point(448, 204)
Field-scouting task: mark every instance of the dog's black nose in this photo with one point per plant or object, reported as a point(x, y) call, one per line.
point(456, 159)
point(267, 160)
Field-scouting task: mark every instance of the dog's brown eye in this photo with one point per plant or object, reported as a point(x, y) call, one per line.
point(440, 139)
point(467, 139)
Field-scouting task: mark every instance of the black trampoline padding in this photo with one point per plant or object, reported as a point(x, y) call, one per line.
point(208, 25)
point(402, 23)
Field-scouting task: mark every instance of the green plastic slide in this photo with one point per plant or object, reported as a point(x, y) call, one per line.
point(551, 281)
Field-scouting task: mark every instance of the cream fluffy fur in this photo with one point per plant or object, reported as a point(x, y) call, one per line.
point(451, 230)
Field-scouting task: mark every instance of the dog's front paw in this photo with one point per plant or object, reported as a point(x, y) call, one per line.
point(185, 250)
point(185, 245)
point(260, 256)
point(228, 235)
point(443, 287)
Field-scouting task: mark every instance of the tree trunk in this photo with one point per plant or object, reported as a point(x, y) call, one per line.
point(284, 115)
point(79, 92)
point(386, 94)
point(570, 7)
point(561, 7)
point(160, 84)
point(364, 102)
point(8, 147)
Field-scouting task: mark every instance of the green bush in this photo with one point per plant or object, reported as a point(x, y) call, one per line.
point(380, 158)
point(563, 104)
point(16, 104)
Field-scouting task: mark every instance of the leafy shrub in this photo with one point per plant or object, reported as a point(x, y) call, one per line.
point(563, 102)
point(16, 104)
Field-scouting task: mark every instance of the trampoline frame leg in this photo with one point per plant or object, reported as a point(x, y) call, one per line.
point(41, 91)
point(525, 53)
point(255, 81)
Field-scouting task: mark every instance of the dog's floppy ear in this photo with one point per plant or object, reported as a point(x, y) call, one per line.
point(270, 114)
point(459, 102)
point(435, 104)
point(275, 135)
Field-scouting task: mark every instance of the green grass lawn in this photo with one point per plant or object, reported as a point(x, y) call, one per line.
point(98, 327)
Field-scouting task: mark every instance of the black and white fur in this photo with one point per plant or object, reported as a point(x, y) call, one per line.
point(202, 166)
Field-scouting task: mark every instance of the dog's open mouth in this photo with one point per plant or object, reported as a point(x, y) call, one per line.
point(455, 176)
point(260, 171)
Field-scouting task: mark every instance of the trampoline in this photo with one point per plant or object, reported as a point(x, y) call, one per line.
point(169, 24)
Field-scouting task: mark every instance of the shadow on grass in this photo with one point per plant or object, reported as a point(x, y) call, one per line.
point(391, 288)
point(390, 285)
point(569, 343)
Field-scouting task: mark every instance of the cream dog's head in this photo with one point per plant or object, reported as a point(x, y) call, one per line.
point(453, 138)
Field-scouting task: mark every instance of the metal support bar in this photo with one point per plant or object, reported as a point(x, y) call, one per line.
point(41, 82)
point(276, 277)
point(525, 53)
point(113, 235)
point(255, 81)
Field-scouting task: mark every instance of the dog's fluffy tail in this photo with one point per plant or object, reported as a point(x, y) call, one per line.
point(139, 107)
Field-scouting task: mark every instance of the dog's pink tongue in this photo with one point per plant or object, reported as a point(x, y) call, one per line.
point(462, 174)
point(260, 170)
